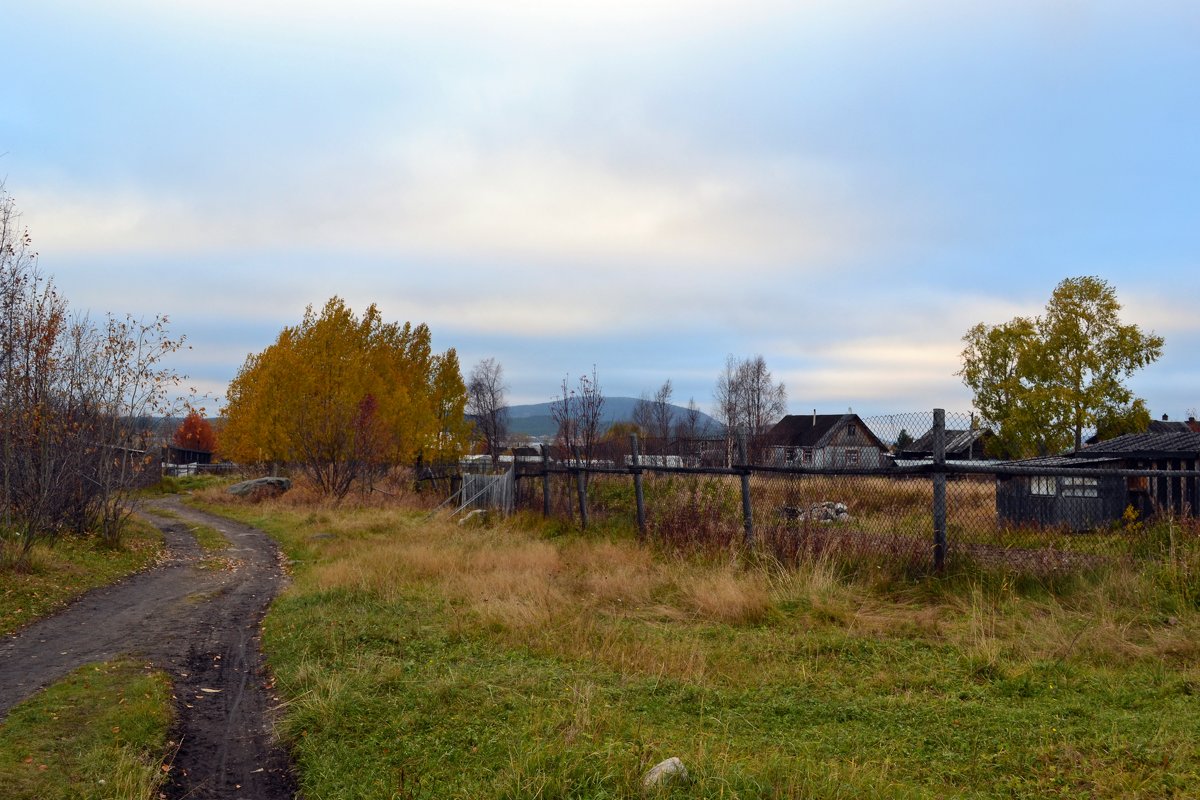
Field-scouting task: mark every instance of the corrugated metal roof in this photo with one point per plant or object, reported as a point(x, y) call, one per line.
point(1175, 443)
point(956, 441)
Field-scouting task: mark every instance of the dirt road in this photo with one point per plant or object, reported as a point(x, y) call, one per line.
point(201, 625)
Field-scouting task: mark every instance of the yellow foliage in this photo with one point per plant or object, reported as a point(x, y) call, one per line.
point(342, 396)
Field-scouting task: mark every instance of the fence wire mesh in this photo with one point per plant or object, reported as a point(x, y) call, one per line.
point(913, 487)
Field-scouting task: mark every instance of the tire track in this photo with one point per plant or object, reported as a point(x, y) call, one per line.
point(200, 625)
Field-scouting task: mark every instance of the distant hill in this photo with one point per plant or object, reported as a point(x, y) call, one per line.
point(536, 420)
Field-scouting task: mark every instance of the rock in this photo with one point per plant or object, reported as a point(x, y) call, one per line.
point(261, 487)
point(478, 514)
point(664, 773)
point(818, 512)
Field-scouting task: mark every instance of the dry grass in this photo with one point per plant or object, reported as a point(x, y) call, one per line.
point(611, 599)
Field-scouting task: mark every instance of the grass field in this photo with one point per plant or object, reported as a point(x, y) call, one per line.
point(101, 732)
point(422, 659)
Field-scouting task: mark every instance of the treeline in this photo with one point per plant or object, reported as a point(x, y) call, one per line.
point(71, 393)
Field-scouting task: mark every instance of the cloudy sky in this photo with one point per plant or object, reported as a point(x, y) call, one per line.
point(844, 187)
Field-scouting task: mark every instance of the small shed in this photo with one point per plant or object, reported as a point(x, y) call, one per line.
point(1077, 502)
point(1085, 502)
point(173, 454)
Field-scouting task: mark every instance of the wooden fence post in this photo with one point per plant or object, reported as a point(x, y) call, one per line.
point(747, 511)
point(637, 486)
point(581, 487)
point(939, 489)
point(545, 480)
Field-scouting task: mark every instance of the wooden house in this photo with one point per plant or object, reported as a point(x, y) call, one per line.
point(825, 441)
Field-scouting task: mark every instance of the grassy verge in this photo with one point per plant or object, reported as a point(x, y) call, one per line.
point(57, 574)
point(422, 659)
point(99, 733)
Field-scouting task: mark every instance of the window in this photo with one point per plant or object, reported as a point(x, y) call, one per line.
point(1080, 487)
point(852, 458)
point(850, 431)
point(1043, 485)
point(806, 456)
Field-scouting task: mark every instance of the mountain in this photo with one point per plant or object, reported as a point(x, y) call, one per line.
point(537, 421)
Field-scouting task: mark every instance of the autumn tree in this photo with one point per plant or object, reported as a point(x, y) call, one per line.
point(486, 403)
point(1040, 382)
point(344, 397)
point(195, 433)
point(447, 393)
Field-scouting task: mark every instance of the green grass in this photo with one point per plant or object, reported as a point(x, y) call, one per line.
point(422, 660)
point(101, 732)
point(57, 574)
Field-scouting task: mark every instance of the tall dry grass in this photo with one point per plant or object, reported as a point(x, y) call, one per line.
point(645, 608)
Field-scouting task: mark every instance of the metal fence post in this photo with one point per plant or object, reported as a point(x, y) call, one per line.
point(545, 481)
point(747, 511)
point(581, 487)
point(637, 486)
point(939, 490)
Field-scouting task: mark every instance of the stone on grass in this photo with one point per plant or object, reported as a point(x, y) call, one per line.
point(261, 487)
point(666, 773)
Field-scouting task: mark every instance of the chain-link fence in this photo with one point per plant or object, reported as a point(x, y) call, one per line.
point(920, 488)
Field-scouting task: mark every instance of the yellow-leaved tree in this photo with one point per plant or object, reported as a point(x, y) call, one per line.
point(344, 398)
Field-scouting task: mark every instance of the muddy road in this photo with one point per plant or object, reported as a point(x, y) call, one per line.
point(201, 624)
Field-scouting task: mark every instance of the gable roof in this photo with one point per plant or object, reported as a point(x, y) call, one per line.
point(815, 430)
point(957, 441)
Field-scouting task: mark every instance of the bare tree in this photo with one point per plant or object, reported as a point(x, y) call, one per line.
point(655, 416)
point(643, 414)
point(74, 399)
point(564, 412)
point(486, 402)
point(591, 411)
point(748, 400)
point(690, 425)
point(577, 414)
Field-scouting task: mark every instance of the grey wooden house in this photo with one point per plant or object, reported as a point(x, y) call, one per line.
point(829, 441)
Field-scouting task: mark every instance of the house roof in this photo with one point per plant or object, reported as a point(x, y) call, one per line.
point(1069, 460)
point(815, 430)
point(1178, 443)
point(1158, 426)
point(956, 440)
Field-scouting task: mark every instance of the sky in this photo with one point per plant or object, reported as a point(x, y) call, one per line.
point(640, 187)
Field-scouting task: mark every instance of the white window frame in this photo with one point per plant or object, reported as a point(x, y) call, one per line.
point(1043, 485)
